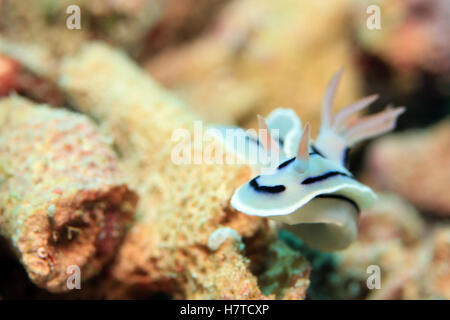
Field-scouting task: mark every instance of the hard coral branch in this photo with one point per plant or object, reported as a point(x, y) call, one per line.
point(181, 205)
point(62, 202)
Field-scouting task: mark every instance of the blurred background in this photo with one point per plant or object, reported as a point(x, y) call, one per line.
point(230, 60)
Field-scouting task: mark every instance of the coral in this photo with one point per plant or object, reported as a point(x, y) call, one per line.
point(413, 164)
point(180, 21)
point(8, 74)
point(439, 272)
point(392, 237)
point(323, 278)
point(62, 199)
point(24, 70)
point(413, 33)
point(181, 204)
point(251, 61)
point(31, 23)
point(43, 23)
point(426, 274)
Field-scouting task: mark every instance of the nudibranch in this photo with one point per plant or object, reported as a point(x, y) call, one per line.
point(311, 190)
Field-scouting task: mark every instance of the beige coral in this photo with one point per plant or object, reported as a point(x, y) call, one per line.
point(62, 199)
point(415, 165)
point(389, 234)
point(260, 55)
point(181, 205)
point(412, 255)
point(413, 33)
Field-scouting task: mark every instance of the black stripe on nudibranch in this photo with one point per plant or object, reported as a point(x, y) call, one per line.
point(325, 176)
point(345, 156)
point(315, 150)
point(316, 154)
point(339, 197)
point(270, 189)
point(284, 164)
point(255, 140)
point(287, 162)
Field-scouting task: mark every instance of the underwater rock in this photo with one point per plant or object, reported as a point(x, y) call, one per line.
point(259, 55)
point(181, 205)
point(62, 201)
point(414, 164)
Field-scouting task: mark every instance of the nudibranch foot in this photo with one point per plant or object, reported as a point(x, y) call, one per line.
point(335, 228)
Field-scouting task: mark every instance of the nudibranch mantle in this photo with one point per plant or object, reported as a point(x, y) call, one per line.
point(322, 177)
point(310, 190)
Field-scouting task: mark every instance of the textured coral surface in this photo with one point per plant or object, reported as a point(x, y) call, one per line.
point(62, 200)
point(181, 205)
point(65, 176)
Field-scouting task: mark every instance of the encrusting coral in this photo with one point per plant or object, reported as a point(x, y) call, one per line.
point(413, 165)
point(62, 200)
point(181, 205)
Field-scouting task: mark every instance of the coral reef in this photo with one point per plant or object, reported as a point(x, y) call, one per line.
point(251, 62)
point(181, 205)
point(17, 75)
point(8, 74)
point(413, 257)
point(414, 164)
point(180, 21)
point(62, 200)
point(92, 119)
point(390, 237)
point(124, 23)
point(413, 34)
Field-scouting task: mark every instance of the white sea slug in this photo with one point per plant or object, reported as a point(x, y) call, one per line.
point(310, 190)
